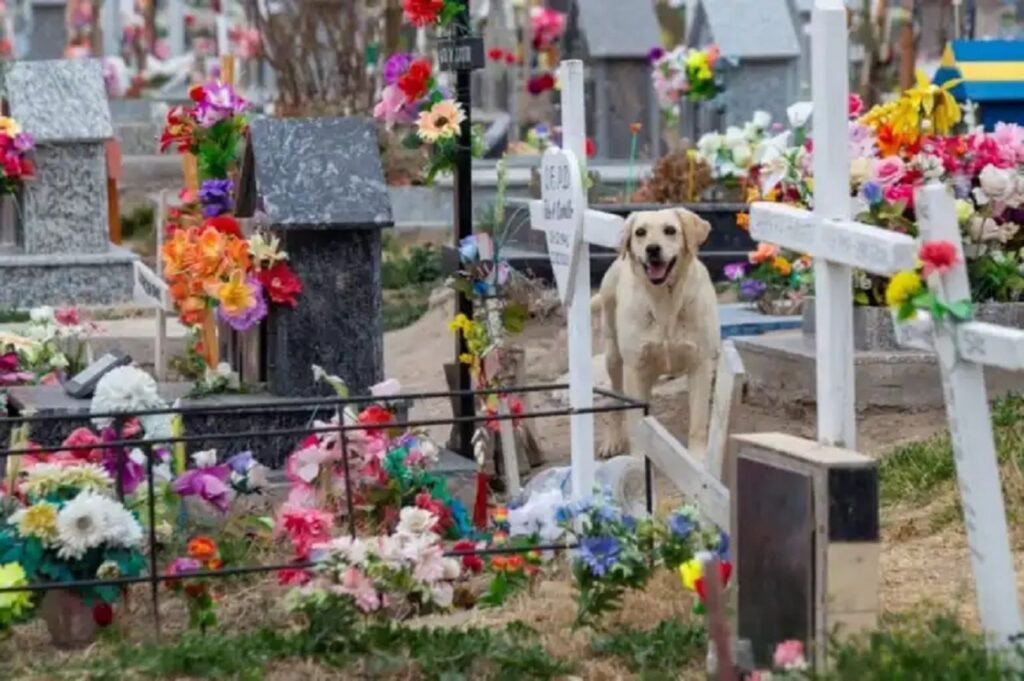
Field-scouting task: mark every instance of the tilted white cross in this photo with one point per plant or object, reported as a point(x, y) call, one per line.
point(963, 350)
point(570, 227)
point(835, 242)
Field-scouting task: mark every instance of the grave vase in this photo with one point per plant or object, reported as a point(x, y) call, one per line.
point(69, 621)
point(10, 221)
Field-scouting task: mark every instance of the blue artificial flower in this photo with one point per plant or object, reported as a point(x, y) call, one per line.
point(599, 554)
point(241, 463)
point(460, 519)
point(541, 130)
point(566, 513)
point(630, 522)
point(469, 249)
point(723, 546)
point(752, 289)
point(871, 192)
point(681, 525)
point(607, 514)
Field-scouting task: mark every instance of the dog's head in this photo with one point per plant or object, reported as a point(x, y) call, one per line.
point(656, 241)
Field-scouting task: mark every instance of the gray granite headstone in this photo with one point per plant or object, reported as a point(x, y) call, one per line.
point(48, 34)
point(66, 255)
point(320, 184)
point(758, 38)
point(615, 39)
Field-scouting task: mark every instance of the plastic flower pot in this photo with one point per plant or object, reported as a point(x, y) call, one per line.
point(69, 620)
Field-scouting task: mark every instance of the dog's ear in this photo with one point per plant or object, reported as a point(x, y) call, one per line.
point(695, 229)
point(627, 236)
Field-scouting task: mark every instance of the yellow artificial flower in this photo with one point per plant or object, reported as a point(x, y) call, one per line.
point(690, 572)
point(12, 574)
point(934, 103)
point(460, 323)
point(441, 121)
point(697, 59)
point(266, 250)
point(902, 287)
point(782, 266)
point(9, 126)
point(235, 295)
point(466, 358)
point(38, 520)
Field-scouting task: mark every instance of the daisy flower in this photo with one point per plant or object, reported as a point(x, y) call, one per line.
point(441, 121)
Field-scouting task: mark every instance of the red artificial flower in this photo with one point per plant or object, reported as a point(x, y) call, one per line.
point(511, 58)
point(496, 54)
point(375, 415)
point(195, 589)
point(177, 129)
point(938, 256)
point(901, 193)
point(12, 167)
point(190, 19)
point(196, 93)
point(515, 408)
point(416, 81)
point(471, 561)
point(589, 147)
point(436, 507)
point(421, 13)
point(202, 548)
point(540, 84)
point(225, 224)
point(281, 284)
point(724, 572)
point(103, 614)
point(855, 106)
point(9, 363)
point(293, 577)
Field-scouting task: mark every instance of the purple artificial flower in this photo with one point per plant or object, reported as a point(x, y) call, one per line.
point(599, 554)
point(396, 66)
point(681, 525)
point(871, 192)
point(183, 566)
point(735, 271)
point(655, 54)
point(24, 141)
point(131, 473)
point(215, 195)
point(752, 289)
point(241, 463)
point(209, 484)
point(219, 102)
point(251, 317)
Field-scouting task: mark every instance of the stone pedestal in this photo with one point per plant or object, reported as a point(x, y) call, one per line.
point(64, 255)
point(320, 186)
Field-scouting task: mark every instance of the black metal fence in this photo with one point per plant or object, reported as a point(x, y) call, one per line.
point(120, 446)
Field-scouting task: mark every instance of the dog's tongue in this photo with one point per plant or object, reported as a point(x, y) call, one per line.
point(656, 271)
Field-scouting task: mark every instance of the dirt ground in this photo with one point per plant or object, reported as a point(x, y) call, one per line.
point(919, 566)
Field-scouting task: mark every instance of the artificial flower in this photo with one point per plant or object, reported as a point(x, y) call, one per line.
point(764, 253)
point(441, 121)
point(889, 171)
point(393, 107)
point(38, 520)
point(226, 225)
point(208, 483)
point(281, 284)
point(599, 554)
point(216, 197)
point(421, 13)
point(470, 561)
point(242, 303)
point(216, 102)
point(202, 548)
point(416, 81)
point(266, 250)
point(902, 287)
point(91, 520)
point(938, 257)
point(782, 266)
point(306, 527)
point(14, 602)
point(414, 522)
point(395, 66)
point(799, 114)
point(789, 656)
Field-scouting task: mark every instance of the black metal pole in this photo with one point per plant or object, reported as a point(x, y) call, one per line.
point(464, 226)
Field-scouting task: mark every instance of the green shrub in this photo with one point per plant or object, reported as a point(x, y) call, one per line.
point(419, 265)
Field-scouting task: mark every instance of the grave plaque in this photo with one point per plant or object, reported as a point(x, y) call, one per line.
point(460, 54)
point(806, 532)
point(321, 185)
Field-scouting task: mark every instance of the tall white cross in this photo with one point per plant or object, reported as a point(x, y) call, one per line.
point(963, 350)
point(570, 228)
point(836, 243)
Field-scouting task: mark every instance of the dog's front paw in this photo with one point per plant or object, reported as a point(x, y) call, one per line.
point(613, 446)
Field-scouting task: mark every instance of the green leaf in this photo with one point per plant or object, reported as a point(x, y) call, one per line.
point(906, 311)
point(861, 298)
point(411, 140)
point(961, 310)
point(513, 317)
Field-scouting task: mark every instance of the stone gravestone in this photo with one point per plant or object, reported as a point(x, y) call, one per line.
point(66, 256)
point(758, 39)
point(614, 40)
point(320, 184)
point(48, 34)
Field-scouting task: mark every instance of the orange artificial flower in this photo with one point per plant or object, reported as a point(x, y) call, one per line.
point(743, 221)
point(211, 245)
point(635, 128)
point(192, 311)
point(214, 564)
point(764, 253)
point(515, 563)
point(782, 266)
point(202, 548)
point(499, 563)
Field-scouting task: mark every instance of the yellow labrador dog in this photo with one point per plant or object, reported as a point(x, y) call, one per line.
point(660, 317)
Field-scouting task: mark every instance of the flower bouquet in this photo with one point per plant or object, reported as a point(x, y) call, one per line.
point(421, 13)
point(731, 155)
point(69, 528)
point(684, 73)
point(412, 96)
point(202, 554)
point(53, 345)
point(211, 128)
point(776, 282)
point(15, 146)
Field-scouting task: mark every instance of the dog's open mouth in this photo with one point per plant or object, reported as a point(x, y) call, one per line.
point(658, 270)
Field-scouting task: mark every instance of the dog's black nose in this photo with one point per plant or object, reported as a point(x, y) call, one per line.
point(653, 250)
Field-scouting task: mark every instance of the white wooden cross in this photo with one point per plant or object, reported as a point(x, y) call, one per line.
point(963, 350)
point(570, 227)
point(836, 243)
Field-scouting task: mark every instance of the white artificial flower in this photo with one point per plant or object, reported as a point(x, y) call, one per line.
point(742, 155)
point(59, 361)
point(205, 459)
point(122, 528)
point(388, 388)
point(442, 595)
point(125, 389)
point(452, 569)
point(861, 170)
point(429, 451)
point(414, 522)
point(734, 137)
point(799, 114)
point(81, 525)
point(931, 166)
point(389, 550)
point(353, 550)
point(108, 569)
point(999, 184)
point(762, 119)
point(708, 145)
point(42, 315)
point(162, 473)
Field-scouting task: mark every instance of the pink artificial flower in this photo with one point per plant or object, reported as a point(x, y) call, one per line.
point(393, 107)
point(293, 577)
point(985, 150)
point(83, 437)
point(360, 587)
point(68, 316)
point(306, 527)
point(900, 193)
point(219, 102)
point(789, 656)
point(938, 256)
point(209, 484)
point(855, 106)
point(862, 141)
point(1010, 136)
point(888, 171)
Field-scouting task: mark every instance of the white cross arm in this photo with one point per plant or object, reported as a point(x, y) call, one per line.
point(979, 342)
point(843, 242)
point(599, 228)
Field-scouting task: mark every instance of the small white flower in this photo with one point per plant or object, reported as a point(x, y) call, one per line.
point(762, 119)
point(353, 551)
point(734, 137)
point(414, 522)
point(999, 184)
point(42, 315)
point(709, 144)
point(81, 525)
point(388, 388)
point(799, 114)
point(442, 595)
point(205, 459)
point(108, 570)
point(125, 389)
point(742, 155)
point(452, 569)
point(162, 473)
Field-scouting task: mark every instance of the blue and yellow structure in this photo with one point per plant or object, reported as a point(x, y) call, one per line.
point(992, 76)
